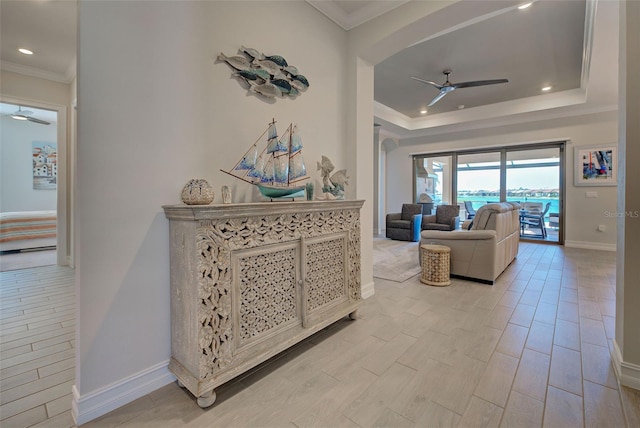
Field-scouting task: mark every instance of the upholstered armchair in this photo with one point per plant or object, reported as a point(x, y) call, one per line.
point(405, 225)
point(447, 217)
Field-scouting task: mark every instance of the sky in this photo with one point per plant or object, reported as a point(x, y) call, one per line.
point(526, 178)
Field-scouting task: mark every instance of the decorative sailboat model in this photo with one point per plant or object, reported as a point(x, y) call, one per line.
point(279, 168)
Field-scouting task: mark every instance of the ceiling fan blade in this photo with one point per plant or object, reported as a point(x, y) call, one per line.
point(479, 83)
point(437, 98)
point(428, 82)
point(36, 120)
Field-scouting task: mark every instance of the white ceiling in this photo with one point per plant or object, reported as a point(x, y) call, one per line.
point(535, 47)
point(350, 14)
point(544, 44)
point(48, 28)
point(571, 45)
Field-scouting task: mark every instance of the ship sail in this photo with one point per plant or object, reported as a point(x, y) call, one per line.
point(277, 169)
point(274, 145)
point(296, 140)
point(268, 174)
point(249, 160)
point(258, 169)
point(281, 166)
point(297, 169)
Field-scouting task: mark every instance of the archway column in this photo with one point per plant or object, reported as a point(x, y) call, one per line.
point(626, 352)
point(361, 132)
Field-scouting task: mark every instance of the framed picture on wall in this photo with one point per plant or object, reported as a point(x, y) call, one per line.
point(596, 165)
point(45, 165)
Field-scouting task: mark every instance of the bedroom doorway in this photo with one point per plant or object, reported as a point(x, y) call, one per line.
point(33, 201)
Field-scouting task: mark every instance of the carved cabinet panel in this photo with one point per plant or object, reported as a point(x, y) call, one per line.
point(265, 292)
point(250, 280)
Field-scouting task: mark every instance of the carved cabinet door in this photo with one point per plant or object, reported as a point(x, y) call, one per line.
point(325, 275)
point(266, 296)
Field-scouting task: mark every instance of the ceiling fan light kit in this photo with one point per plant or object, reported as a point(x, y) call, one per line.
point(27, 115)
point(448, 86)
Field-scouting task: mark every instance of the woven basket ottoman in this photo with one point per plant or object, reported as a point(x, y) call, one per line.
point(435, 265)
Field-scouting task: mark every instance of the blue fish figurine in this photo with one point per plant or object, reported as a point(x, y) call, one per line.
point(278, 60)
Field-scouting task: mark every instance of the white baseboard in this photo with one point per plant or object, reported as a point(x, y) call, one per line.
point(100, 402)
point(367, 290)
point(628, 374)
point(590, 245)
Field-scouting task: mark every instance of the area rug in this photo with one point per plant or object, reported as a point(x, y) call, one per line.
point(395, 260)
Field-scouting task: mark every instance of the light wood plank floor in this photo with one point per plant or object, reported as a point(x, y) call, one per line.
point(27, 259)
point(37, 339)
point(533, 350)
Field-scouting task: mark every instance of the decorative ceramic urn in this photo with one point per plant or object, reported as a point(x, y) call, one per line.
point(197, 192)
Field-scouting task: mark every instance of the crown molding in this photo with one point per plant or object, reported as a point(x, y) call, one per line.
point(589, 22)
point(36, 72)
point(347, 21)
point(411, 133)
point(72, 71)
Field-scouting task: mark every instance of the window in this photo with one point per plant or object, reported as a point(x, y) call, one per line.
point(525, 174)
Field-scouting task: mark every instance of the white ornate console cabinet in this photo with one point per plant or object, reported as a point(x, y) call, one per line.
point(250, 280)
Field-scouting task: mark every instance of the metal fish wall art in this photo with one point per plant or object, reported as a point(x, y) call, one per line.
point(270, 76)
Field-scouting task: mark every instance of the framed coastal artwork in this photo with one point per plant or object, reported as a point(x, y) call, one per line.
point(45, 165)
point(596, 165)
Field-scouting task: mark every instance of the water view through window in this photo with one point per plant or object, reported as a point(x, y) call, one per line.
point(531, 178)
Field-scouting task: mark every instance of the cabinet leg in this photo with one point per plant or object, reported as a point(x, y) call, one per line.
point(180, 384)
point(354, 315)
point(207, 399)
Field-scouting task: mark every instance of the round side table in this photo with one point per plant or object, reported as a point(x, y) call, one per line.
point(435, 265)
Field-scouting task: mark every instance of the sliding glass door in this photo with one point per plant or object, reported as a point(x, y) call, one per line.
point(530, 175)
point(533, 180)
point(478, 181)
point(432, 182)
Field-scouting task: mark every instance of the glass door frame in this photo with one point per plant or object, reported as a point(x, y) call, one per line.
point(560, 145)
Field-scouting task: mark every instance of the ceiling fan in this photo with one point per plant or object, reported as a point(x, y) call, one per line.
point(27, 115)
point(447, 86)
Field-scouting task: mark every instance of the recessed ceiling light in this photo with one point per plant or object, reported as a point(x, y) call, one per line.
point(25, 51)
point(524, 6)
point(461, 106)
point(423, 111)
point(547, 88)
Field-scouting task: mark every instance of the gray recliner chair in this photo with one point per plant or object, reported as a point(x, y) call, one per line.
point(405, 225)
point(447, 217)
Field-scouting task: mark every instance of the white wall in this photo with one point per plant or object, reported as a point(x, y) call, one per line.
point(368, 44)
point(583, 215)
point(155, 110)
point(626, 350)
point(16, 170)
point(33, 88)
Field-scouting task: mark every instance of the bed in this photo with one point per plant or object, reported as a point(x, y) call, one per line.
point(27, 230)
